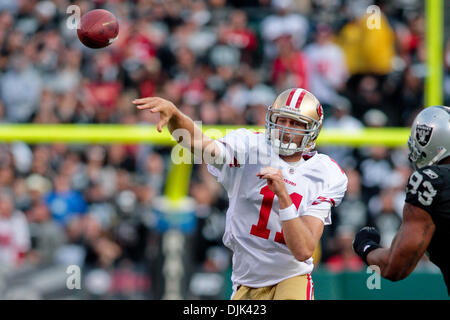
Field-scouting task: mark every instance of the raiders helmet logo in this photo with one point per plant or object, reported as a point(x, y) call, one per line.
point(423, 134)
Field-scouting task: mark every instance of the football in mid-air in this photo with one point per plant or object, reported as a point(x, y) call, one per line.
point(98, 28)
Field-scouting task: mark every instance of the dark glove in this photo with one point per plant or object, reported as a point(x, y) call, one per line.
point(366, 240)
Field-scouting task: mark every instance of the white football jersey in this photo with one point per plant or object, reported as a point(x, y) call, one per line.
point(253, 228)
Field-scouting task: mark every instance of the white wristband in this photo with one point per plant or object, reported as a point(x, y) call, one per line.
point(288, 213)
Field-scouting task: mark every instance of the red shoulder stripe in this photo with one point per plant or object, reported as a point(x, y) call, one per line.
point(337, 165)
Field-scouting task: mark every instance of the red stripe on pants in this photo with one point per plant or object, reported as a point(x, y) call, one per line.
point(308, 287)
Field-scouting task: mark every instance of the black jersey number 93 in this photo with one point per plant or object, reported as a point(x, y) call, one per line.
point(429, 188)
point(422, 188)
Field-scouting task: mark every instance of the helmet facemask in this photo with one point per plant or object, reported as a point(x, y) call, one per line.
point(414, 156)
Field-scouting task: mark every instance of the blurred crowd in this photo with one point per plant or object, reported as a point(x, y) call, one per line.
point(221, 62)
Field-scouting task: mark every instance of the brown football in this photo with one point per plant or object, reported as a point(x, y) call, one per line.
point(98, 28)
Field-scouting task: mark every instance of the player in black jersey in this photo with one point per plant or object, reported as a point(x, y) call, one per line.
point(426, 213)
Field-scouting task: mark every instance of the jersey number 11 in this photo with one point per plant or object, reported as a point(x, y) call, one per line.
point(260, 229)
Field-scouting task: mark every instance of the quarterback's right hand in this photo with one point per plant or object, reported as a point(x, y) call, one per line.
point(366, 240)
point(275, 180)
point(165, 108)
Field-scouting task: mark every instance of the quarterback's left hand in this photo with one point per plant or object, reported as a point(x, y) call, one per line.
point(275, 180)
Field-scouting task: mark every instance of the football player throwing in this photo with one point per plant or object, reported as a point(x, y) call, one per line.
point(280, 191)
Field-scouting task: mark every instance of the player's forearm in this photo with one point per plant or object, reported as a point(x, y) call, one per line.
point(380, 258)
point(284, 200)
point(299, 239)
point(179, 121)
point(297, 235)
point(391, 267)
point(192, 136)
point(390, 270)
